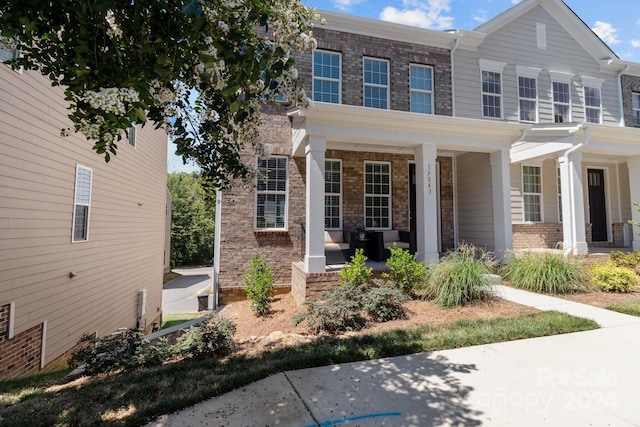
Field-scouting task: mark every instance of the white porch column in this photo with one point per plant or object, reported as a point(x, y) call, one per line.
point(573, 222)
point(633, 163)
point(314, 259)
point(426, 204)
point(501, 189)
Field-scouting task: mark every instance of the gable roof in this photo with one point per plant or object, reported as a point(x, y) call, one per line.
point(562, 13)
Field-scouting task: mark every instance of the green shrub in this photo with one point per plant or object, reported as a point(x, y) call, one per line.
point(611, 278)
point(338, 310)
point(258, 283)
point(461, 277)
point(125, 350)
point(629, 260)
point(212, 337)
point(546, 273)
point(404, 270)
point(383, 302)
point(355, 272)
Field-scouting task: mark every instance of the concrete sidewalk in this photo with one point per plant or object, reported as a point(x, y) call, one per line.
point(587, 378)
point(181, 294)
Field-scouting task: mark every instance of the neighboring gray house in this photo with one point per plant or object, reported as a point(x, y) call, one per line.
point(509, 136)
point(81, 241)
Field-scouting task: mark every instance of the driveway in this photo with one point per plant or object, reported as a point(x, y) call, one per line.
point(580, 379)
point(181, 295)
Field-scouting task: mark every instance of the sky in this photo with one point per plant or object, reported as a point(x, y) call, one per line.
point(617, 22)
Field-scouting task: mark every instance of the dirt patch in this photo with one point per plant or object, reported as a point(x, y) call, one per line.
point(602, 299)
point(258, 333)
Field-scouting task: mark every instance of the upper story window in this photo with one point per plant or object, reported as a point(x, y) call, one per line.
point(81, 204)
point(421, 88)
point(332, 194)
point(377, 195)
point(327, 76)
point(131, 136)
point(561, 102)
point(532, 193)
point(592, 99)
point(636, 108)
point(271, 193)
point(528, 99)
point(491, 76)
point(376, 83)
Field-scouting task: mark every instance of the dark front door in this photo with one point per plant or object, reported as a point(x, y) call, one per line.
point(597, 206)
point(412, 197)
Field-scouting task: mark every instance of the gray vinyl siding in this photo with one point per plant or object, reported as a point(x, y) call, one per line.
point(126, 228)
point(515, 44)
point(475, 202)
point(517, 209)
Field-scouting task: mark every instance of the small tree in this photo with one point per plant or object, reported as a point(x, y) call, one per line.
point(258, 282)
point(356, 272)
point(404, 270)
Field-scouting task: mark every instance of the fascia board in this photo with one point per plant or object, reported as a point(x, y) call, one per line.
point(386, 30)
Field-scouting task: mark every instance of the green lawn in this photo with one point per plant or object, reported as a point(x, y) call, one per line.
point(631, 307)
point(173, 319)
point(134, 398)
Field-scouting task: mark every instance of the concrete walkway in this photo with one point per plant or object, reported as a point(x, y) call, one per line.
point(181, 295)
point(581, 379)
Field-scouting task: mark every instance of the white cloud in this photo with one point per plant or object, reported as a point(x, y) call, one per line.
point(346, 5)
point(480, 16)
point(635, 43)
point(515, 1)
point(606, 32)
point(421, 13)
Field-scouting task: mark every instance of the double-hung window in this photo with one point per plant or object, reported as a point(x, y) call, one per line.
point(81, 204)
point(528, 99)
point(332, 194)
point(271, 193)
point(376, 83)
point(592, 99)
point(377, 197)
point(532, 193)
point(561, 102)
point(327, 76)
point(491, 76)
point(636, 108)
point(421, 88)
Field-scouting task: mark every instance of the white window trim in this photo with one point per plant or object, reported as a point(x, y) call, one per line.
point(429, 92)
point(634, 110)
point(314, 77)
point(132, 136)
point(554, 102)
point(483, 93)
point(589, 107)
point(75, 203)
point(337, 194)
point(524, 213)
point(389, 196)
point(387, 86)
point(537, 114)
point(286, 200)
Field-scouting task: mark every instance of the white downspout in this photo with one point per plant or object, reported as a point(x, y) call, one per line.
point(453, 80)
point(624, 70)
point(216, 248)
point(569, 164)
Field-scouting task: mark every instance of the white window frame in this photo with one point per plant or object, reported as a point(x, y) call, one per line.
point(561, 103)
point(535, 194)
point(595, 84)
point(494, 67)
point(532, 74)
point(84, 203)
point(387, 196)
point(421, 91)
point(328, 79)
point(339, 195)
point(284, 192)
point(635, 108)
point(376, 85)
point(132, 136)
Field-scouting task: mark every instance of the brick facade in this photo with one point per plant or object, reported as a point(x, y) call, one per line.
point(353, 47)
point(630, 84)
point(20, 355)
point(5, 314)
point(550, 235)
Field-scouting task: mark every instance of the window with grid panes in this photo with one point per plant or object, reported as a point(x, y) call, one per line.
point(421, 89)
point(326, 76)
point(561, 102)
point(376, 83)
point(332, 194)
point(377, 198)
point(532, 193)
point(491, 94)
point(636, 108)
point(271, 193)
point(592, 104)
point(82, 204)
point(528, 99)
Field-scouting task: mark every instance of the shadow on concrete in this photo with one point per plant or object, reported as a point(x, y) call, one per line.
point(415, 390)
point(186, 281)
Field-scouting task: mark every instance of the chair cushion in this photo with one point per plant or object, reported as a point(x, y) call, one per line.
point(336, 246)
point(391, 236)
point(333, 237)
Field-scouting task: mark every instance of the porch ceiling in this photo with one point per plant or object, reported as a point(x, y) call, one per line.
point(353, 128)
